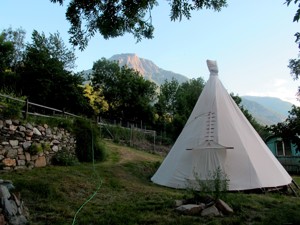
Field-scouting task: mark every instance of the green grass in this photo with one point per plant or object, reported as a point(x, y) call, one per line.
point(54, 194)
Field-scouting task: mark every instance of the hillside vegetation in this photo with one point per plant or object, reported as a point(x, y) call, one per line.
point(125, 195)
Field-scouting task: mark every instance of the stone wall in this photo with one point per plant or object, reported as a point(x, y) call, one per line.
point(24, 146)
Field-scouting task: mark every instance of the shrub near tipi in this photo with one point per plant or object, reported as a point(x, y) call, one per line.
point(218, 136)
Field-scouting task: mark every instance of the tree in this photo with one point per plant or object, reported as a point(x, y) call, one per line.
point(186, 98)
point(96, 99)
point(45, 78)
point(294, 64)
point(11, 43)
point(6, 53)
point(115, 18)
point(16, 37)
point(128, 94)
point(290, 128)
point(165, 105)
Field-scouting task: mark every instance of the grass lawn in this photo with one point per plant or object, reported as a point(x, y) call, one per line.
point(125, 195)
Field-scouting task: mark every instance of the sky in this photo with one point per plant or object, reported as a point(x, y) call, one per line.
point(252, 42)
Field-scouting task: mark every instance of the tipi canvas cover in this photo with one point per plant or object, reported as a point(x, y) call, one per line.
point(217, 136)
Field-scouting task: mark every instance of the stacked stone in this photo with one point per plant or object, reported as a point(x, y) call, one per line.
point(16, 140)
point(12, 209)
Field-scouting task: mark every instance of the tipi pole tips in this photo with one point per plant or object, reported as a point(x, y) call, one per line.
point(212, 66)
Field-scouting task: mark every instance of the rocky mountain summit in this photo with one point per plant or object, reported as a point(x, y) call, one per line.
point(147, 68)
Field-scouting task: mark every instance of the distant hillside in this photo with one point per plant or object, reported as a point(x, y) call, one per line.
point(267, 110)
point(147, 68)
point(272, 103)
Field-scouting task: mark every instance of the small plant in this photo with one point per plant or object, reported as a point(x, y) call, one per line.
point(215, 184)
point(35, 149)
point(46, 146)
point(64, 158)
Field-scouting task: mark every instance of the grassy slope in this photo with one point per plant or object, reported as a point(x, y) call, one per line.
point(126, 196)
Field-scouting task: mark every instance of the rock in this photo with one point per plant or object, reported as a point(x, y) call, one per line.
point(18, 220)
point(36, 131)
point(27, 138)
point(27, 156)
point(16, 122)
point(4, 192)
point(10, 208)
point(190, 209)
point(26, 145)
point(210, 211)
point(21, 162)
point(8, 162)
point(8, 122)
point(12, 127)
point(29, 126)
point(40, 162)
point(14, 143)
point(12, 153)
point(22, 128)
point(34, 157)
point(29, 133)
point(55, 142)
point(55, 148)
point(20, 151)
point(41, 128)
point(224, 207)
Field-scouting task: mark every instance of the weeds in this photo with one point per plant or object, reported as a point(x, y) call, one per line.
point(215, 184)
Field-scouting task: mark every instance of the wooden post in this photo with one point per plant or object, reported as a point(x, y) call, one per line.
point(26, 109)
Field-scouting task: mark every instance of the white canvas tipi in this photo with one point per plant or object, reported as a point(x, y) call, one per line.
point(217, 135)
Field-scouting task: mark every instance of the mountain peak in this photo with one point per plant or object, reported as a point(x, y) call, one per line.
point(146, 68)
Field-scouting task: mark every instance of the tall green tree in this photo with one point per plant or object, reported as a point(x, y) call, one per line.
point(186, 98)
point(289, 130)
point(10, 57)
point(6, 53)
point(128, 94)
point(165, 105)
point(45, 78)
point(116, 18)
point(17, 38)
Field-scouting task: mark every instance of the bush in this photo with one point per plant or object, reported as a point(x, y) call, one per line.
point(89, 146)
point(64, 158)
point(215, 184)
point(35, 148)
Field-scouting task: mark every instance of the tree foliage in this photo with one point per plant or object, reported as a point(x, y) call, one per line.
point(115, 18)
point(289, 129)
point(127, 93)
point(44, 77)
point(6, 53)
point(186, 98)
point(96, 98)
point(294, 64)
point(16, 38)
